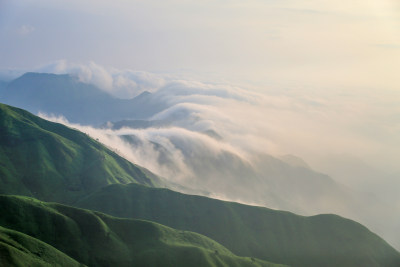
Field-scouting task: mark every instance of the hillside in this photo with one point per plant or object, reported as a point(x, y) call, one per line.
point(52, 162)
point(97, 239)
point(269, 181)
point(277, 236)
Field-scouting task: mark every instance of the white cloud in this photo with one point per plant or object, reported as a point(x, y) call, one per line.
point(317, 54)
point(25, 30)
point(230, 168)
point(312, 124)
point(120, 83)
point(307, 122)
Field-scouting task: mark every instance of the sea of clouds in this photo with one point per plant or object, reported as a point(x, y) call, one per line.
point(214, 135)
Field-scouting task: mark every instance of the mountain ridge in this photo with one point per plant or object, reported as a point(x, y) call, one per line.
point(64, 95)
point(39, 157)
point(53, 162)
point(97, 239)
point(277, 236)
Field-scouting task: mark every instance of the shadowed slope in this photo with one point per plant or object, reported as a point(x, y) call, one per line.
point(97, 239)
point(53, 162)
point(277, 236)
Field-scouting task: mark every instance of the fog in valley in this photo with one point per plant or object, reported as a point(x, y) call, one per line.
point(306, 151)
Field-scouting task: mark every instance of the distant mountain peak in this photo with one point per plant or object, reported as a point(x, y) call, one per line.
point(294, 161)
point(144, 94)
point(63, 94)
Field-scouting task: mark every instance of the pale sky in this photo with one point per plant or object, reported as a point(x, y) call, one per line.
point(311, 43)
point(345, 55)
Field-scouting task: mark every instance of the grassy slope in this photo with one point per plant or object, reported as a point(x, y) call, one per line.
point(52, 162)
point(18, 249)
point(97, 239)
point(277, 236)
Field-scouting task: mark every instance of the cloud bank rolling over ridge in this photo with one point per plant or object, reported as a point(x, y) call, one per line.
point(214, 137)
point(242, 85)
point(306, 122)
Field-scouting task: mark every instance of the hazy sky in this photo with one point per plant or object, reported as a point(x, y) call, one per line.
point(339, 59)
point(285, 42)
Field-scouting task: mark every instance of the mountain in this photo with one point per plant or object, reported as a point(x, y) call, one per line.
point(277, 236)
point(285, 183)
point(3, 86)
point(78, 102)
point(268, 181)
point(96, 239)
point(294, 161)
point(53, 162)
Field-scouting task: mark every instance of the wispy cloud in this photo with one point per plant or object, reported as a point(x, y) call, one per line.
point(25, 30)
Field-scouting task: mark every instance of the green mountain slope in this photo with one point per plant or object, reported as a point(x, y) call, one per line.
point(52, 162)
point(97, 239)
point(17, 249)
point(277, 236)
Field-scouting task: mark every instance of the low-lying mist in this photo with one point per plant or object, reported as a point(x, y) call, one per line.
point(234, 143)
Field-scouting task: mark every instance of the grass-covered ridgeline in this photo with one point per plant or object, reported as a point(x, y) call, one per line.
point(277, 236)
point(52, 162)
point(96, 239)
